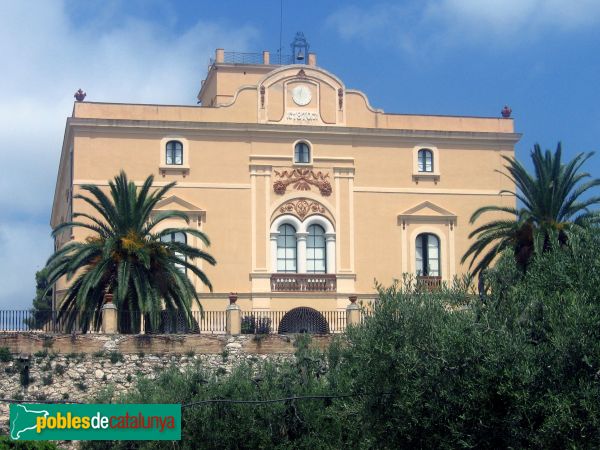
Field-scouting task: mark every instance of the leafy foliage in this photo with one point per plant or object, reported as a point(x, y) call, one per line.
point(42, 303)
point(8, 444)
point(552, 209)
point(519, 370)
point(516, 368)
point(126, 257)
point(292, 424)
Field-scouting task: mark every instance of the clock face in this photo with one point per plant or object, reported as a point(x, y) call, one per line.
point(301, 95)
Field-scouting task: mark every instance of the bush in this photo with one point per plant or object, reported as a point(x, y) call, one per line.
point(47, 380)
point(5, 355)
point(8, 444)
point(518, 370)
point(518, 367)
point(293, 424)
point(115, 357)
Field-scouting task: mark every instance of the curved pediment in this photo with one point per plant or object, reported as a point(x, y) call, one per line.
point(302, 207)
point(301, 95)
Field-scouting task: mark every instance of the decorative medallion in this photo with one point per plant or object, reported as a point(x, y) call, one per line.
point(302, 208)
point(262, 97)
point(302, 179)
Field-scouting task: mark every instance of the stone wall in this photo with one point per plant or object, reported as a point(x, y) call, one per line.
point(80, 367)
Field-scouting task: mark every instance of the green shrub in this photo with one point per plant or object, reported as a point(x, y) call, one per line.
point(517, 367)
point(5, 355)
point(115, 357)
point(41, 353)
point(8, 444)
point(47, 380)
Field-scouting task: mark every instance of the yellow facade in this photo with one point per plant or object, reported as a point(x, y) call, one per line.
point(240, 181)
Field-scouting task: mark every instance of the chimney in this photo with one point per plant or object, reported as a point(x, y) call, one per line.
point(266, 58)
point(312, 59)
point(219, 55)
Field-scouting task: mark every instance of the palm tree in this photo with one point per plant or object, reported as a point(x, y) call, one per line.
point(126, 257)
point(552, 209)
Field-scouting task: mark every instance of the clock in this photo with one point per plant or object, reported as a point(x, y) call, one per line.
point(301, 95)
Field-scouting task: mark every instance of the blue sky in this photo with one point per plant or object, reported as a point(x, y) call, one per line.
point(459, 57)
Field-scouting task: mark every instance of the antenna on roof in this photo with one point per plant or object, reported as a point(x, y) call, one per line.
point(280, 29)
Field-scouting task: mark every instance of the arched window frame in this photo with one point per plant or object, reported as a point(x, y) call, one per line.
point(301, 228)
point(287, 249)
point(424, 258)
point(184, 167)
point(433, 174)
point(316, 249)
point(425, 160)
point(174, 153)
point(304, 157)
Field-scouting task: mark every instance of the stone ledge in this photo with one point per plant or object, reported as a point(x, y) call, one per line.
point(30, 343)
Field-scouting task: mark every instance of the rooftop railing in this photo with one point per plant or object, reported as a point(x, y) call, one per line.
point(255, 58)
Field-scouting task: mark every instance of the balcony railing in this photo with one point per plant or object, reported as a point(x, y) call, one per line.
point(429, 283)
point(294, 282)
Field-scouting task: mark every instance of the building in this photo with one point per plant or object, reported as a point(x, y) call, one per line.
point(307, 192)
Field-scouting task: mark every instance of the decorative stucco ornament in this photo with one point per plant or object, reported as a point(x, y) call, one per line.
point(302, 180)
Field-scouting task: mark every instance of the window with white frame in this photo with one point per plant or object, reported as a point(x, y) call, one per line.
point(316, 258)
point(286, 249)
point(174, 153)
point(425, 160)
point(301, 153)
point(427, 255)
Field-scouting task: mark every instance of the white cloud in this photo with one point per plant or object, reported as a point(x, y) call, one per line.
point(46, 57)
point(422, 25)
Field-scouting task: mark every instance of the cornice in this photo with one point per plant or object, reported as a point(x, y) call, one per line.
point(224, 129)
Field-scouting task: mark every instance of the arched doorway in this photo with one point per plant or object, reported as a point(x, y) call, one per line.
point(303, 320)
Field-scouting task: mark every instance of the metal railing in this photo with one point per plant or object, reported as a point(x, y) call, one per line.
point(256, 58)
point(293, 282)
point(274, 322)
point(129, 322)
point(34, 321)
point(297, 320)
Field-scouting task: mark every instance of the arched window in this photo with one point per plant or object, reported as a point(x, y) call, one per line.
point(174, 154)
point(427, 254)
point(425, 160)
point(316, 250)
point(176, 237)
point(286, 249)
point(301, 153)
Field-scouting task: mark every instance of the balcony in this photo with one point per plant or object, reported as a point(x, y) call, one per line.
point(293, 282)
